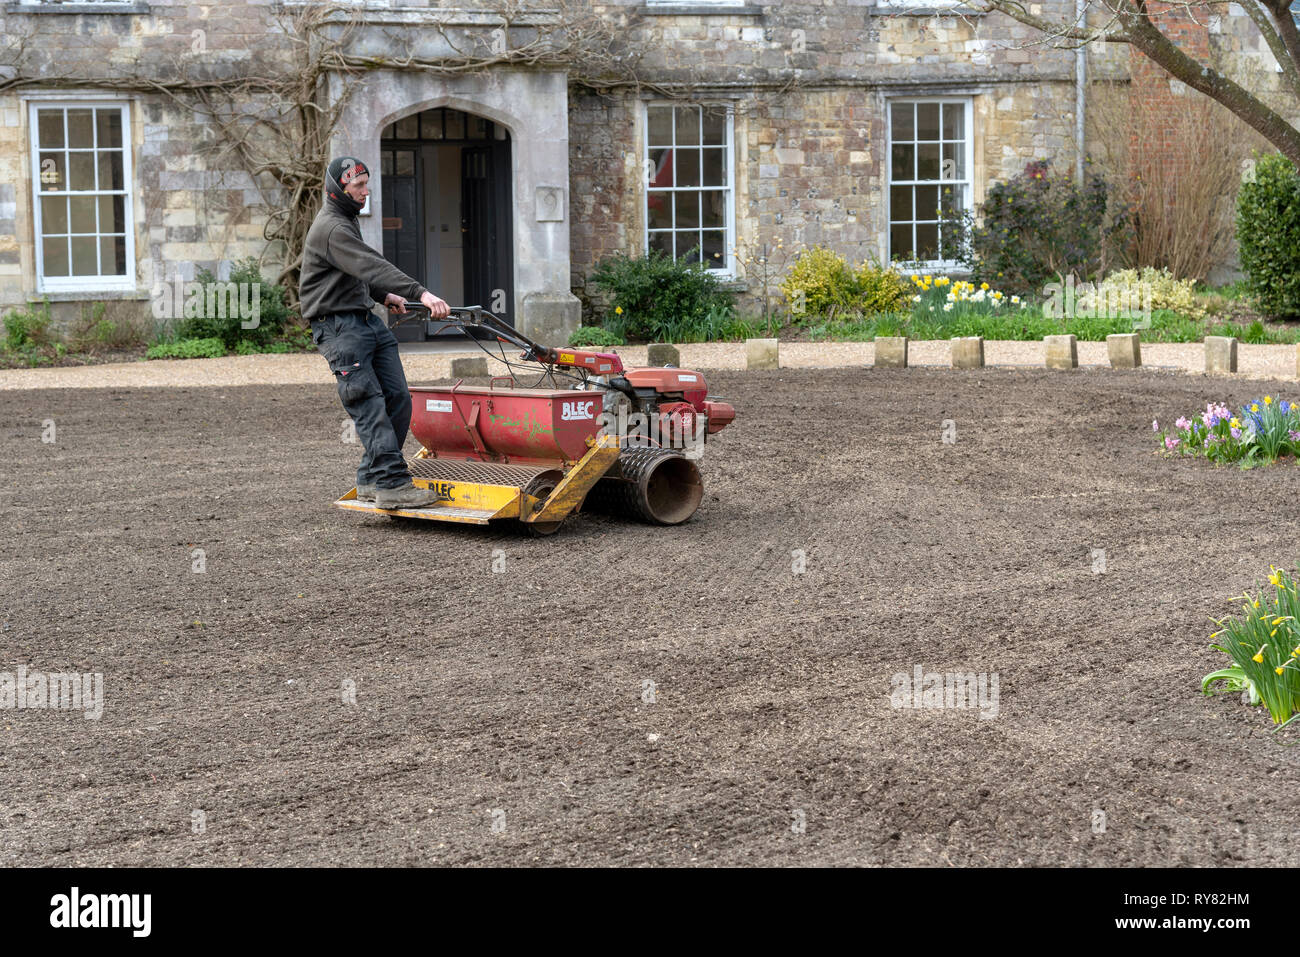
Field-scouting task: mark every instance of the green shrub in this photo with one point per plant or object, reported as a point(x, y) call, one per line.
point(1268, 235)
point(1158, 287)
point(29, 327)
point(1040, 226)
point(295, 339)
point(821, 283)
point(114, 334)
point(93, 332)
point(246, 348)
point(1167, 326)
point(594, 337)
point(270, 308)
point(819, 280)
point(652, 296)
point(208, 348)
point(1254, 334)
point(878, 289)
point(719, 324)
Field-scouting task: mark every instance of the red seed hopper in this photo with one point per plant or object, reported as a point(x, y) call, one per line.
point(589, 433)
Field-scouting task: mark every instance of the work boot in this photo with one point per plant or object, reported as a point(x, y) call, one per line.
point(407, 496)
point(365, 493)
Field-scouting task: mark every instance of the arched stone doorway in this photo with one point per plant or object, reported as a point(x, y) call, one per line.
point(446, 209)
point(531, 109)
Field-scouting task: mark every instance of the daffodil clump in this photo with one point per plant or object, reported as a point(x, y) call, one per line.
point(933, 295)
point(1264, 645)
point(1260, 433)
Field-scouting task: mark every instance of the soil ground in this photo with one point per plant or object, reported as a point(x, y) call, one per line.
point(508, 717)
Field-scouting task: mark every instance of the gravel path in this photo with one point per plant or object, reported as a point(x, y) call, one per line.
point(1253, 362)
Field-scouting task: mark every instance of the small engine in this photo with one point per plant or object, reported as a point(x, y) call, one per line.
point(672, 407)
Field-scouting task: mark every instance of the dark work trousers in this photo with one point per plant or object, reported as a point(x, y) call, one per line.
point(362, 354)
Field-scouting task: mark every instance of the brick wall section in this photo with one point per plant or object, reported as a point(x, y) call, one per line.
point(1189, 30)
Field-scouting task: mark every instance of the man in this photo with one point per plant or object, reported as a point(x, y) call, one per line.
point(341, 276)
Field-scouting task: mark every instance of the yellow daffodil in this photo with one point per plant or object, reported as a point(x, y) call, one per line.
point(618, 310)
point(1259, 655)
point(1278, 670)
point(1234, 423)
point(1268, 400)
point(984, 285)
point(1254, 407)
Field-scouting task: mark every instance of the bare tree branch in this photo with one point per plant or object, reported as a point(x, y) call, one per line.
point(1137, 28)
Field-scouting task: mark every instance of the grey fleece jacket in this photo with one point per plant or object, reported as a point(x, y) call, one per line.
point(340, 273)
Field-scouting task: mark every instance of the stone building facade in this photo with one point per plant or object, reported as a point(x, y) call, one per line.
point(722, 128)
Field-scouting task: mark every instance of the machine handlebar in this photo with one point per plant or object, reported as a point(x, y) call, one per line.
point(477, 317)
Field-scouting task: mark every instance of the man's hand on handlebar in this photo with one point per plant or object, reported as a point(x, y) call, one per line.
point(437, 308)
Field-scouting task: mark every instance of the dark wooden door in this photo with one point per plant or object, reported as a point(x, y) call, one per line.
point(485, 222)
point(403, 237)
point(402, 195)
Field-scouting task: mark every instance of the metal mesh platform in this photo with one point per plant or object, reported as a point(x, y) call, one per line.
point(473, 516)
point(486, 473)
